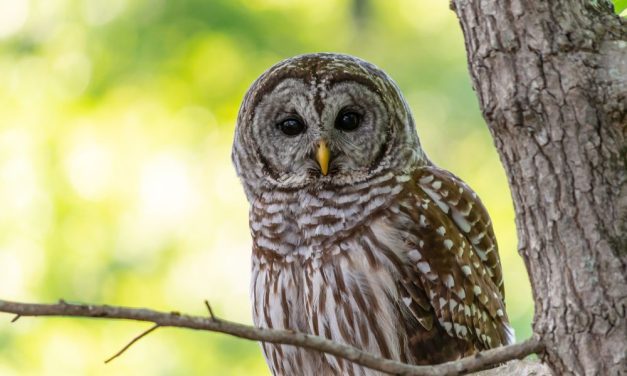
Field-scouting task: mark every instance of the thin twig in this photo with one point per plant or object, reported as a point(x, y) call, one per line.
point(476, 362)
point(211, 315)
point(17, 317)
point(142, 335)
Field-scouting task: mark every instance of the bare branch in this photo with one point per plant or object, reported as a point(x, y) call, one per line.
point(476, 362)
point(137, 338)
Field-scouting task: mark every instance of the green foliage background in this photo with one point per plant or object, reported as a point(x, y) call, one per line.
point(116, 120)
point(620, 6)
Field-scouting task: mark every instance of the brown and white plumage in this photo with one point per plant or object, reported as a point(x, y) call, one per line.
point(385, 252)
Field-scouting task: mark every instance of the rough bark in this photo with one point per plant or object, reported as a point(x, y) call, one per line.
point(518, 368)
point(551, 78)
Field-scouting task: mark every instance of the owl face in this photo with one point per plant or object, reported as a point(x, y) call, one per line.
point(322, 119)
point(307, 136)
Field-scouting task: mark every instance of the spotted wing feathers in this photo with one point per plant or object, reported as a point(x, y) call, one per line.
point(453, 251)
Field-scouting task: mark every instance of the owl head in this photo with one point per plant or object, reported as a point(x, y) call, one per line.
point(321, 120)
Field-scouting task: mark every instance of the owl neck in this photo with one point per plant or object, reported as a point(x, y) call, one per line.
point(303, 221)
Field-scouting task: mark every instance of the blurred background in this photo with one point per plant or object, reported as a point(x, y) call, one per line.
point(116, 185)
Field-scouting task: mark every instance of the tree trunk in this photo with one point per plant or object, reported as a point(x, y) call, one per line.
point(551, 77)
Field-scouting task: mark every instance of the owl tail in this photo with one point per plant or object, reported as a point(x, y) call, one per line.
point(510, 335)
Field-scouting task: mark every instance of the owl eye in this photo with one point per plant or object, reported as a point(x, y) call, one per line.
point(347, 121)
point(291, 126)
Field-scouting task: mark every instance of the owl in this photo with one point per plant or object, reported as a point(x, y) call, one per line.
point(357, 236)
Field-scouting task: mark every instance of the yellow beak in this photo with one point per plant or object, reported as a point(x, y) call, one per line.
point(322, 156)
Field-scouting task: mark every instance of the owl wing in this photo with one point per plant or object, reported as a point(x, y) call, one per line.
point(454, 260)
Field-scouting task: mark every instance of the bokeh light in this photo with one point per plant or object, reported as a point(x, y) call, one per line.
point(116, 185)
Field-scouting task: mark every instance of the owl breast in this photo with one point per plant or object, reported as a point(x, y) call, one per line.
point(326, 264)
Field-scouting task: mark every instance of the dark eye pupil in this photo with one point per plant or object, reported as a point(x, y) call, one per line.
point(291, 127)
point(347, 121)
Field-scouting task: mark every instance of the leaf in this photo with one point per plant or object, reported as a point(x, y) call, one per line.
point(619, 6)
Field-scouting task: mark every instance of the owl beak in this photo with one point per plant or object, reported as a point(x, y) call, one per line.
point(322, 156)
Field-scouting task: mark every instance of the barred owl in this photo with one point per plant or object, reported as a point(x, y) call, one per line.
point(357, 236)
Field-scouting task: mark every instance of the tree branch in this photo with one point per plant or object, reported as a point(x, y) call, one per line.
point(476, 362)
